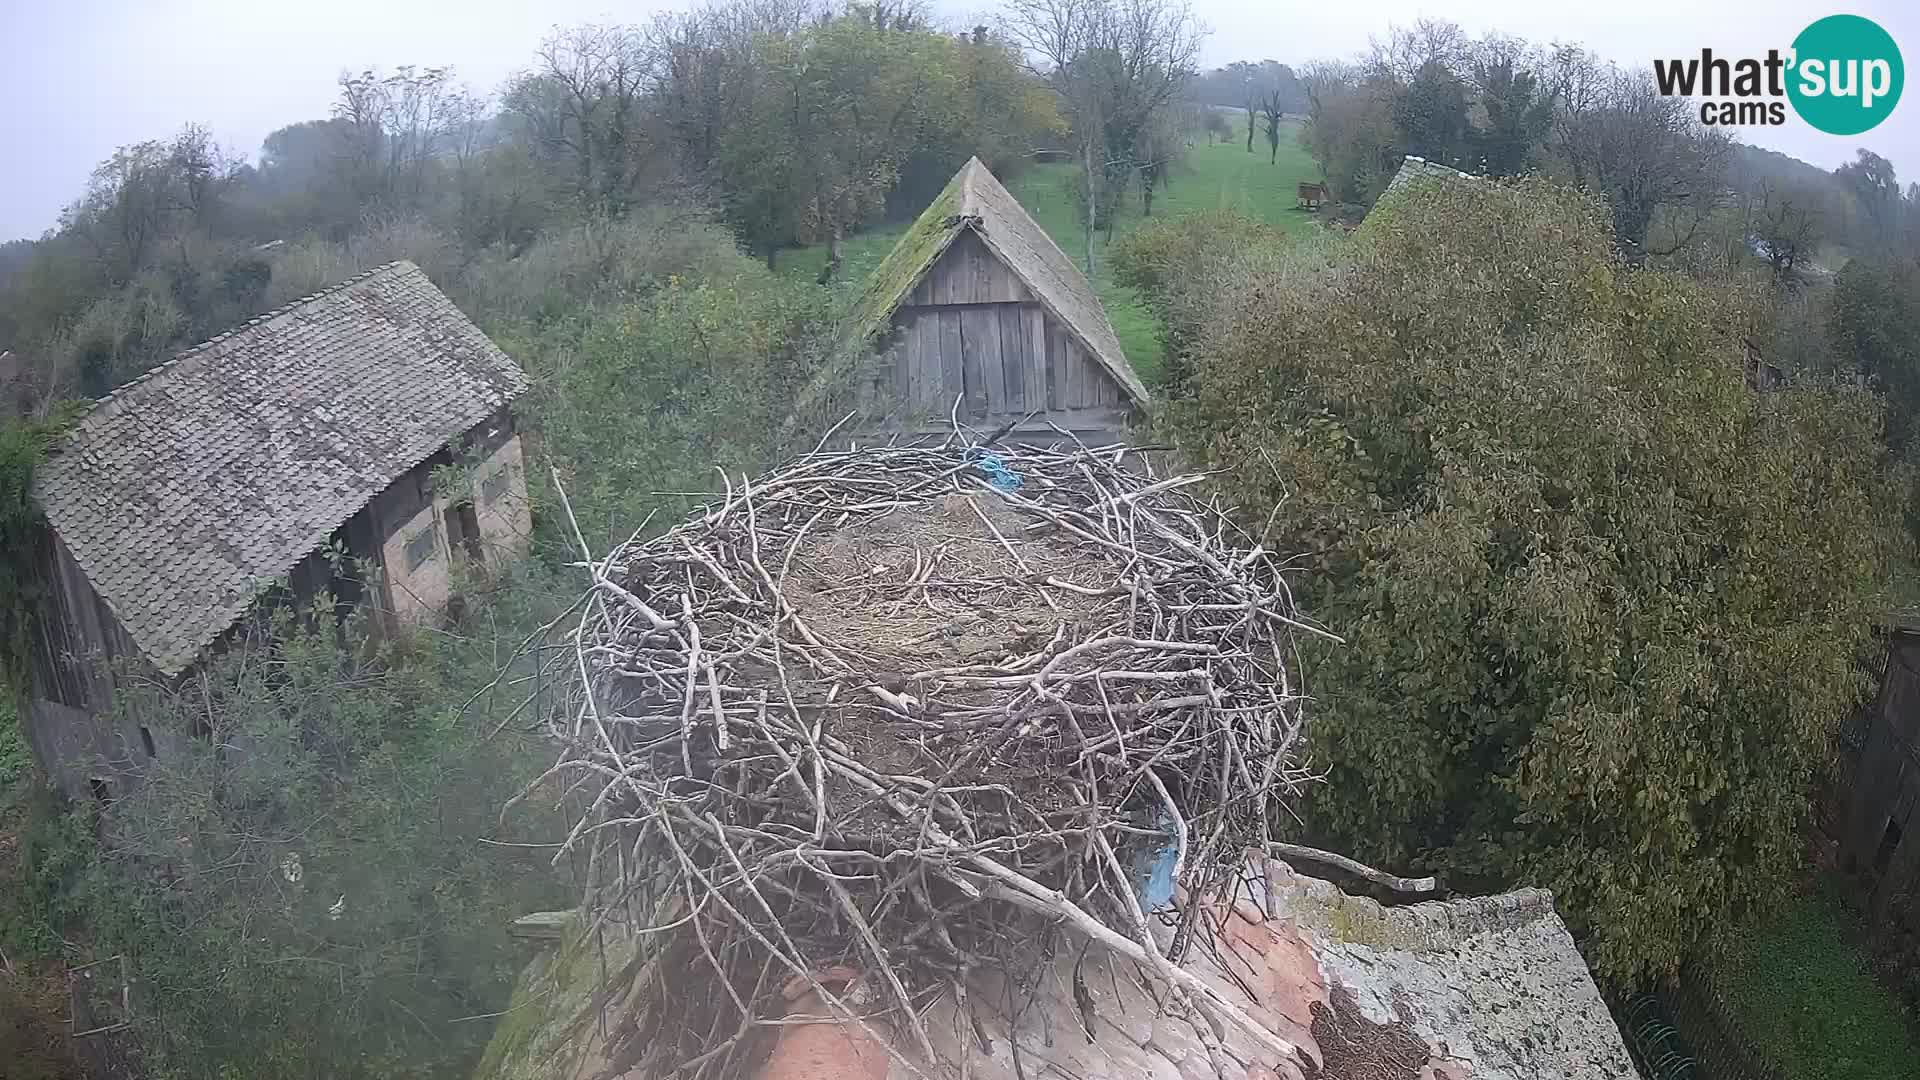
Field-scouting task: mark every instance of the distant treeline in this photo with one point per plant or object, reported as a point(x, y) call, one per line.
point(789, 122)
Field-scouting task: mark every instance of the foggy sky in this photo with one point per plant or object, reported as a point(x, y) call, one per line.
point(81, 77)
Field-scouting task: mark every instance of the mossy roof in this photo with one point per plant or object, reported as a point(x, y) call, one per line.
point(975, 199)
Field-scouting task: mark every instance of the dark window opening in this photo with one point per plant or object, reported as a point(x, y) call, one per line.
point(101, 793)
point(1889, 841)
point(146, 741)
point(422, 546)
point(463, 530)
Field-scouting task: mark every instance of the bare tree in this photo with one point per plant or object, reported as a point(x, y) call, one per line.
point(1786, 227)
point(199, 163)
point(1114, 65)
point(1615, 135)
point(1272, 111)
point(397, 125)
point(1407, 50)
point(581, 107)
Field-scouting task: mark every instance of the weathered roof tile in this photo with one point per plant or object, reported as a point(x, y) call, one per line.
point(184, 490)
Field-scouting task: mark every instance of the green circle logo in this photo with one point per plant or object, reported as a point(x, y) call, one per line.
point(1846, 74)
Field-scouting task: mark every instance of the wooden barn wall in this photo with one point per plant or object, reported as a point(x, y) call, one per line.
point(972, 330)
point(1882, 836)
point(77, 646)
point(968, 273)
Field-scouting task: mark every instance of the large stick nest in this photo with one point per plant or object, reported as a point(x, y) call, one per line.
point(870, 713)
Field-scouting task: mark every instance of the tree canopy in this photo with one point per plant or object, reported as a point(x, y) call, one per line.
point(1602, 601)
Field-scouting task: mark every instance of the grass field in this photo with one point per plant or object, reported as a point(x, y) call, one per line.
point(1222, 175)
point(1802, 996)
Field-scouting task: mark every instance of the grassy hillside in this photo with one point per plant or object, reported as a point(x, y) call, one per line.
point(1222, 175)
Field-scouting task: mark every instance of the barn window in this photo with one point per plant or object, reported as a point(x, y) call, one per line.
point(495, 485)
point(421, 547)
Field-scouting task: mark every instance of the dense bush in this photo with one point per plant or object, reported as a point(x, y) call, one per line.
point(1601, 600)
point(597, 260)
point(1184, 263)
point(639, 400)
point(304, 859)
point(1874, 319)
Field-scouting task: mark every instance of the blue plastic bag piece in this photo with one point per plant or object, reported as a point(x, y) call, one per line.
point(998, 473)
point(1157, 891)
point(1153, 882)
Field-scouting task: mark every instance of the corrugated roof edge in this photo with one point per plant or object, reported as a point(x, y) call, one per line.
point(204, 347)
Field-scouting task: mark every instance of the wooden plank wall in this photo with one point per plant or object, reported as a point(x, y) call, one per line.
point(74, 634)
point(973, 330)
point(1885, 788)
point(77, 643)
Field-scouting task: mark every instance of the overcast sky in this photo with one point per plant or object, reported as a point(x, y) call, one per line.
point(81, 77)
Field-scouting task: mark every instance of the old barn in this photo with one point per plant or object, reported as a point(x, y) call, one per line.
point(358, 442)
point(1881, 841)
point(977, 313)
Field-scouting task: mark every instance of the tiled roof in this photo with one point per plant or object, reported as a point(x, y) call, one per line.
point(975, 199)
point(1485, 988)
point(187, 491)
point(1418, 168)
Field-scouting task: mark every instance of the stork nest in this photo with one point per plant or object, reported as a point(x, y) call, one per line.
point(869, 723)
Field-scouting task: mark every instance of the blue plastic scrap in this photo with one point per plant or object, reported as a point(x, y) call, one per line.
point(1153, 870)
point(998, 473)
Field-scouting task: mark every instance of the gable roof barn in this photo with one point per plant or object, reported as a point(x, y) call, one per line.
point(975, 202)
point(186, 492)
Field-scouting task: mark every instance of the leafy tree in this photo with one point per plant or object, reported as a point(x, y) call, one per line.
point(1871, 179)
point(1216, 126)
point(1431, 114)
point(1875, 325)
point(1350, 129)
point(1516, 105)
point(1601, 601)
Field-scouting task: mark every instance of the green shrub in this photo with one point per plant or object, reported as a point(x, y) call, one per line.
point(655, 395)
point(298, 879)
point(596, 261)
point(52, 849)
point(1181, 265)
point(1601, 600)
